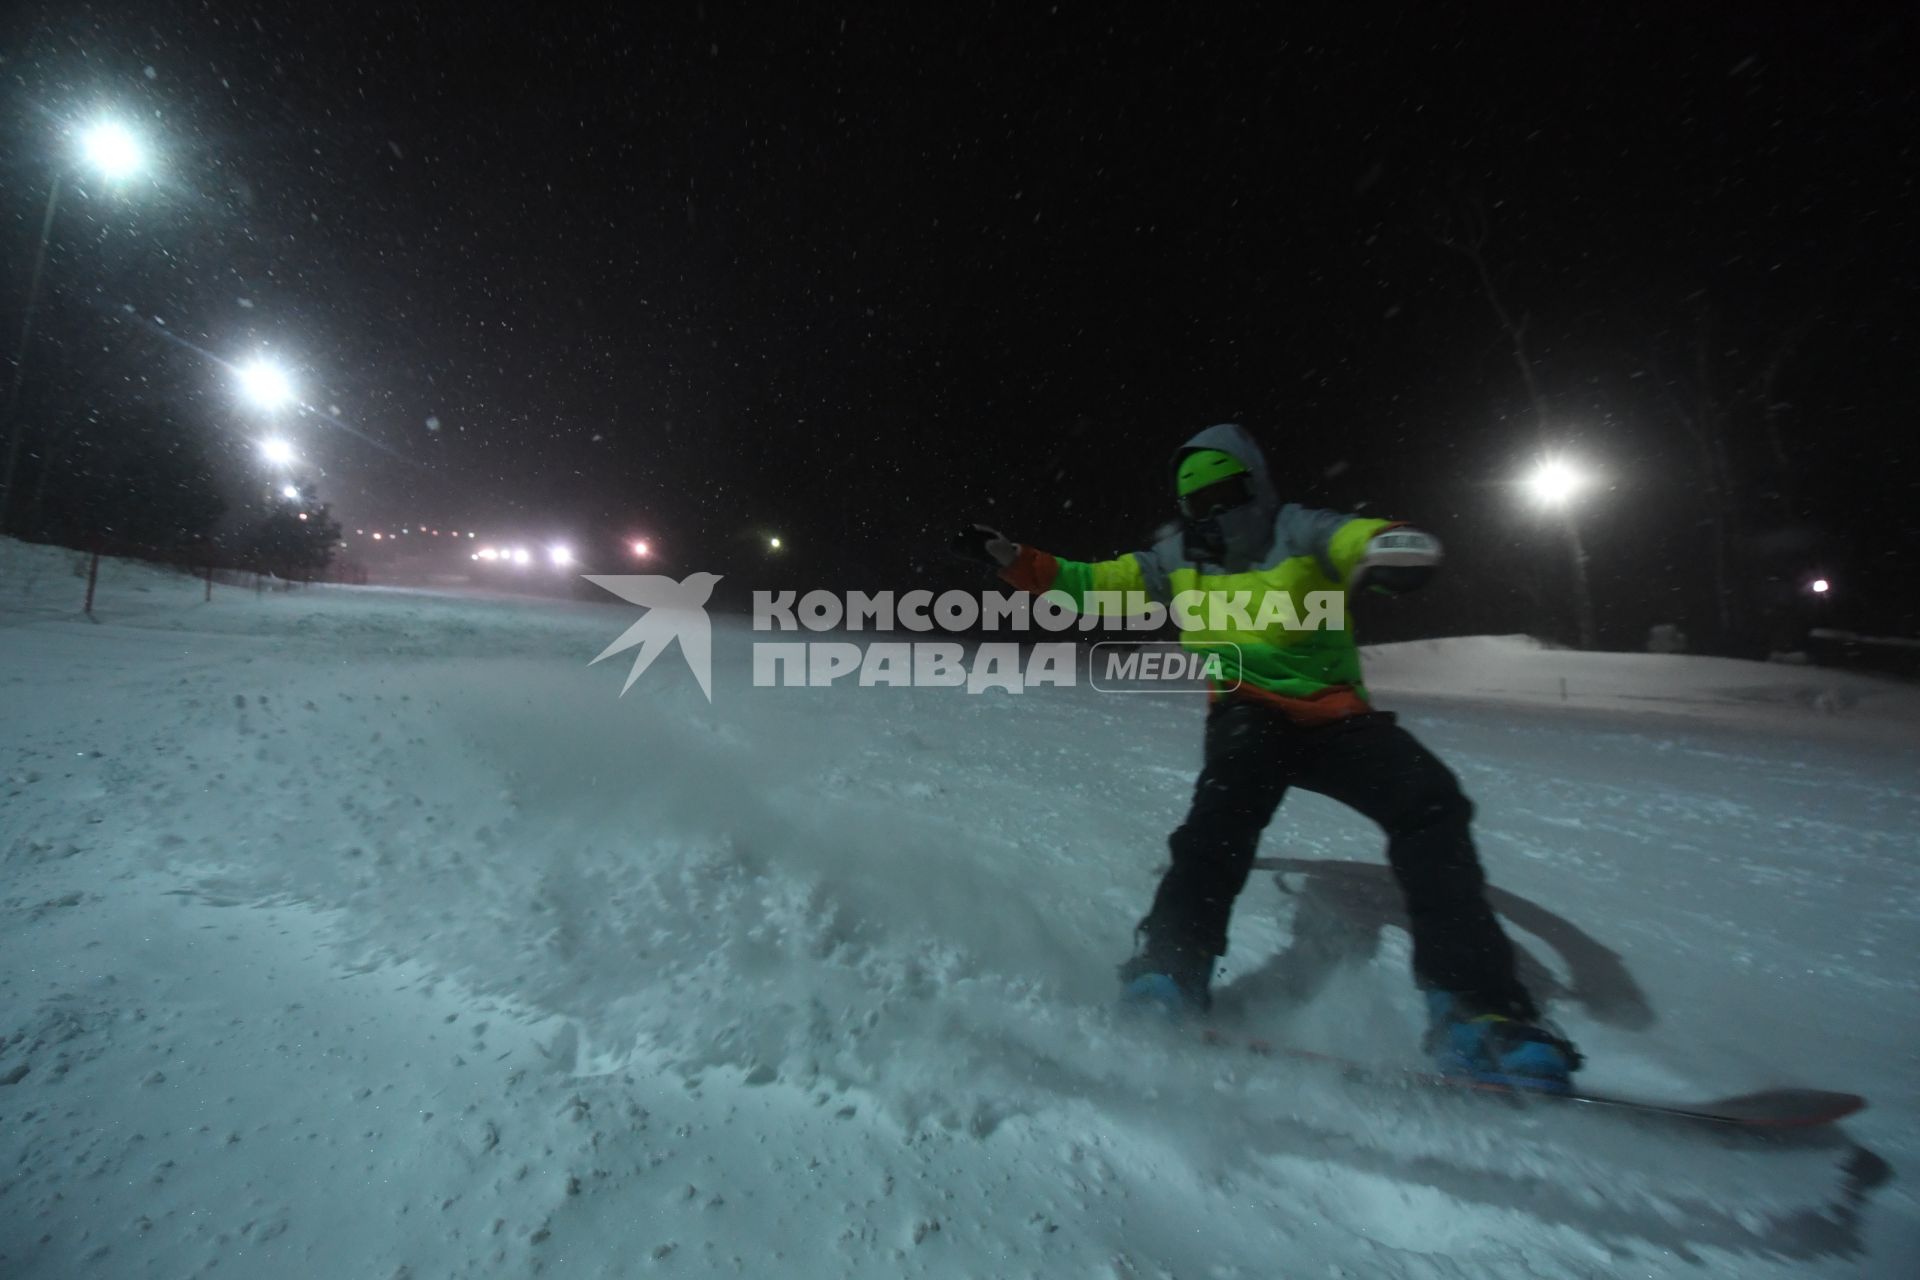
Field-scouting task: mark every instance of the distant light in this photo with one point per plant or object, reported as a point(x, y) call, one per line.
point(113, 150)
point(303, 515)
point(486, 553)
point(773, 543)
point(359, 533)
point(265, 384)
point(291, 492)
point(522, 556)
point(1554, 482)
point(1821, 586)
point(470, 534)
point(277, 451)
point(641, 549)
point(376, 537)
point(560, 555)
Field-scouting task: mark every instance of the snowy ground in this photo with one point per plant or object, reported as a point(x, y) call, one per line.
point(364, 933)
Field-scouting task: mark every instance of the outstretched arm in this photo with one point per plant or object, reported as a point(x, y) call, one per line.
point(1397, 560)
point(1386, 557)
point(1122, 585)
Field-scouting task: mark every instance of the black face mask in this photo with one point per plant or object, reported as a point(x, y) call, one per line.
point(1232, 537)
point(1206, 542)
point(1206, 511)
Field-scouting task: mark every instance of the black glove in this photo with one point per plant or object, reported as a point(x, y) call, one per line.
point(1397, 580)
point(984, 545)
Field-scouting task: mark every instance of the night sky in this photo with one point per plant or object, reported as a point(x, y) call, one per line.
point(705, 273)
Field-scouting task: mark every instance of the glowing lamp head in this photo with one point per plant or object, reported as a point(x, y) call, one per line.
point(522, 556)
point(290, 492)
point(773, 544)
point(641, 549)
point(1555, 482)
point(561, 556)
point(277, 451)
point(1820, 586)
point(265, 384)
point(112, 151)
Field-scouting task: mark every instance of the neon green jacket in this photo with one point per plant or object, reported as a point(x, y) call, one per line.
point(1313, 675)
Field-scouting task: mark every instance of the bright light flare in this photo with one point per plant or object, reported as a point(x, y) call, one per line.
point(265, 384)
point(773, 544)
point(641, 549)
point(112, 150)
point(1555, 482)
point(522, 556)
point(290, 492)
point(1819, 586)
point(561, 556)
point(277, 451)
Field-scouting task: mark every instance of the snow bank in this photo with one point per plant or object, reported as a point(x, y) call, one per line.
point(1516, 671)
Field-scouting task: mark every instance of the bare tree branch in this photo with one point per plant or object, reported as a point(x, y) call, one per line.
point(1466, 232)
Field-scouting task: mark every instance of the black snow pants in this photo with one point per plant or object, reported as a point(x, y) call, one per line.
point(1371, 764)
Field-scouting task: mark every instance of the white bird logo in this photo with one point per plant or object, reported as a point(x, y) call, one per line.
point(674, 611)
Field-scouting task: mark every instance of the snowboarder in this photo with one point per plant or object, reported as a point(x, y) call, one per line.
point(1297, 715)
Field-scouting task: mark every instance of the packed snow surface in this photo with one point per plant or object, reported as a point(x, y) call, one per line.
point(370, 933)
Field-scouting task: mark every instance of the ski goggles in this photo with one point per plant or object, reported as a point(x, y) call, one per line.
point(1221, 495)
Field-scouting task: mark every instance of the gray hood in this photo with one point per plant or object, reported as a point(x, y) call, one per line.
point(1248, 531)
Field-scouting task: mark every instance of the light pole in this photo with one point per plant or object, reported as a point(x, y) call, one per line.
point(112, 151)
point(1553, 484)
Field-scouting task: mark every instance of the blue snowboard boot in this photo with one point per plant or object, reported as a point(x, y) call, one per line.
point(1152, 986)
point(1495, 1049)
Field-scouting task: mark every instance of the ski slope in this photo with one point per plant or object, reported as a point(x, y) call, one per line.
point(369, 933)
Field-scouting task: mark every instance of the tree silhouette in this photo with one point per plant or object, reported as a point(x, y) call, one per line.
point(294, 539)
point(136, 477)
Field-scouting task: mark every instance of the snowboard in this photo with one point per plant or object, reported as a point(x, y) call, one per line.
point(1769, 1109)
